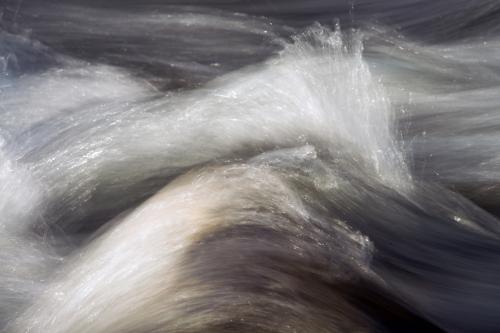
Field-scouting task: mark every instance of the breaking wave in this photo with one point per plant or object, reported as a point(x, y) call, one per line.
point(230, 167)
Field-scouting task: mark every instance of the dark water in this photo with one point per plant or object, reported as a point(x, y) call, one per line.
point(323, 166)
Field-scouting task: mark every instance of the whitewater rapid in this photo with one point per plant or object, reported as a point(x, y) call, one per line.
point(201, 170)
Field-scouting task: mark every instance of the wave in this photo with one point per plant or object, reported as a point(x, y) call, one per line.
point(204, 168)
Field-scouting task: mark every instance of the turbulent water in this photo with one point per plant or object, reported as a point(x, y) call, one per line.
point(249, 166)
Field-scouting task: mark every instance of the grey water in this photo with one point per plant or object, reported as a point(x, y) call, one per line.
point(249, 166)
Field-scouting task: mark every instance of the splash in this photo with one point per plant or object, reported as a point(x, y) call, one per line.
point(207, 171)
